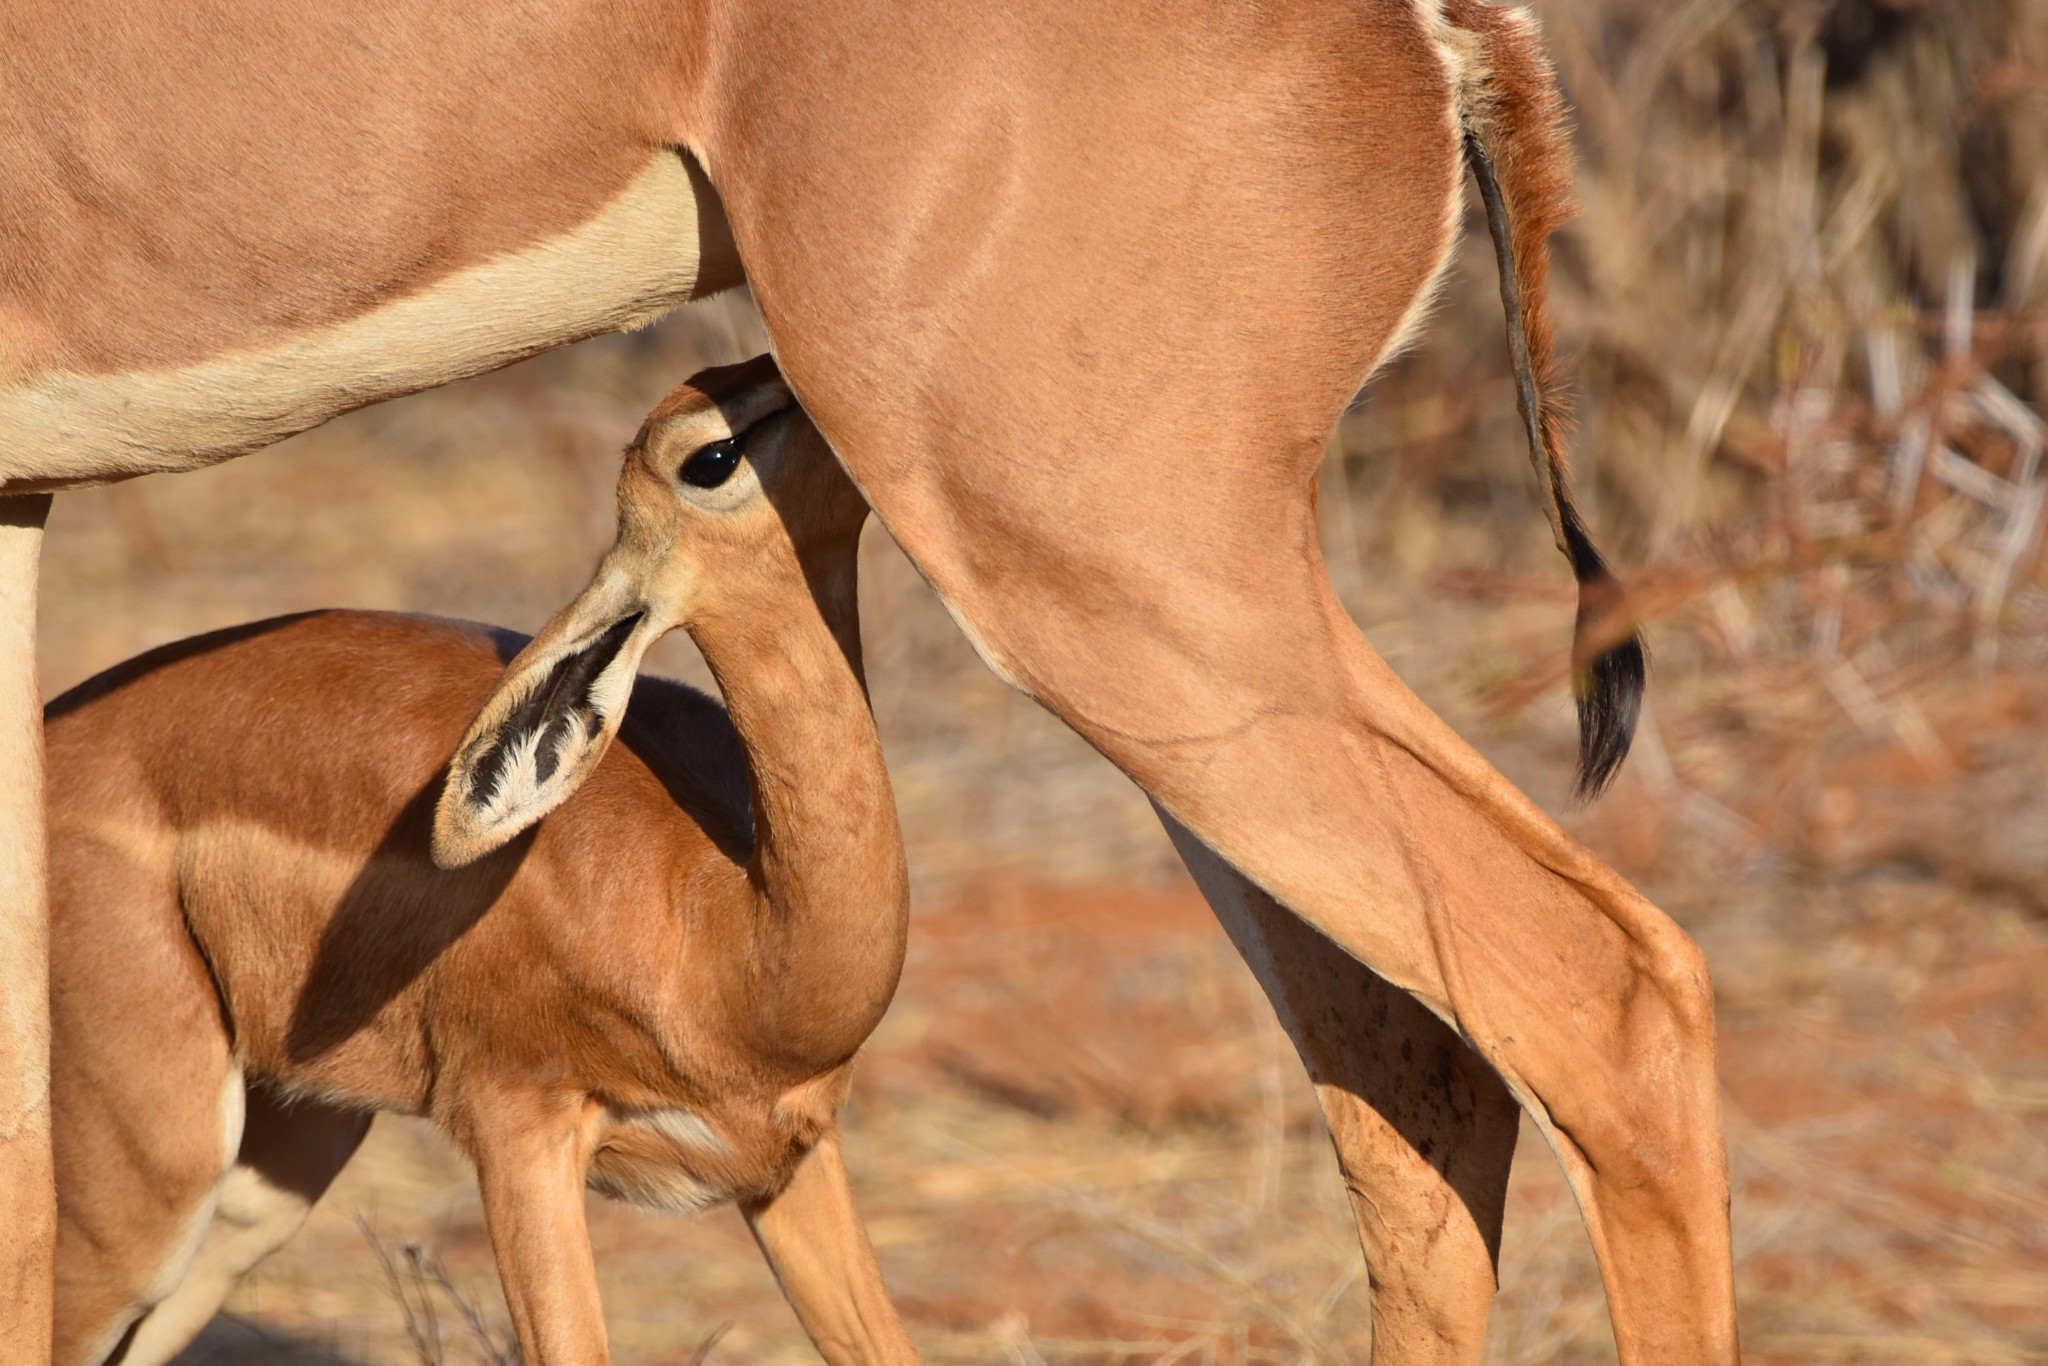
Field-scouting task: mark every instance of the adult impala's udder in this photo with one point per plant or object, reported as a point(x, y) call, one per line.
point(635, 259)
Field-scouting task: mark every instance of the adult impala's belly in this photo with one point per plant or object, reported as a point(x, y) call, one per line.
point(641, 255)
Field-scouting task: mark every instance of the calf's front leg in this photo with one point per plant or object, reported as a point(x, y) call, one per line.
point(814, 1239)
point(531, 1157)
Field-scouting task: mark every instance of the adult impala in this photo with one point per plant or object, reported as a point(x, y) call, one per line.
point(1076, 295)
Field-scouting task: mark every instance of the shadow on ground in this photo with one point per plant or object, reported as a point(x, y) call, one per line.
point(232, 1341)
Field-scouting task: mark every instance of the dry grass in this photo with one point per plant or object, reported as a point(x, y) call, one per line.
point(1804, 293)
point(1803, 298)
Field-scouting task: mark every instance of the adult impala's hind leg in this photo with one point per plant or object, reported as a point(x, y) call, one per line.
point(1250, 709)
point(290, 1153)
point(1088, 394)
point(1174, 609)
point(1424, 1130)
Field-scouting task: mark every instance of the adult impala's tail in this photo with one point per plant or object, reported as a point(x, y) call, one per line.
point(1515, 141)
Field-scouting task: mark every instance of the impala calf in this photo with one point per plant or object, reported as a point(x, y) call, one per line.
point(659, 993)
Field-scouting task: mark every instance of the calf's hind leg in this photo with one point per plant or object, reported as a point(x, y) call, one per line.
point(173, 1175)
point(290, 1154)
point(147, 1101)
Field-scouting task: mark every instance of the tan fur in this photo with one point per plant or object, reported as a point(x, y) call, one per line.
point(1077, 304)
point(659, 994)
point(635, 259)
point(191, 180)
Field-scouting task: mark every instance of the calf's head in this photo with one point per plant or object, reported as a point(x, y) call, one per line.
point(733, 514)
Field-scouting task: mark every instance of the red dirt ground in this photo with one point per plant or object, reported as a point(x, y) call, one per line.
point(1080, 1137)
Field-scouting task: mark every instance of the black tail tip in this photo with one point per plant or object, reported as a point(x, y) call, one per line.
point(1610, 696)
point(1610, 666)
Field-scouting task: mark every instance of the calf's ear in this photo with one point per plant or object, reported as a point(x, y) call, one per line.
point(544, 728)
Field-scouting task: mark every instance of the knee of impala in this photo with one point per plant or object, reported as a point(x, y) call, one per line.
point(730, 503)
point(1685, 981)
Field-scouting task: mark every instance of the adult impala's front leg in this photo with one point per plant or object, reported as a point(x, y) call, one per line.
point(28, 1197)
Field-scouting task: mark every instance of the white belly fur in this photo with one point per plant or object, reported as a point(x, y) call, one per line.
point(634, 261)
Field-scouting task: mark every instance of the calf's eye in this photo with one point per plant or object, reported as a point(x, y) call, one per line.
point(713, 464)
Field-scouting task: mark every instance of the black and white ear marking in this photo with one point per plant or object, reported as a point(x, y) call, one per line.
point(535, 742)
point(558, 716)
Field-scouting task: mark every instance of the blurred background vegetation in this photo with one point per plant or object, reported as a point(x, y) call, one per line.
point(1804, 305)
